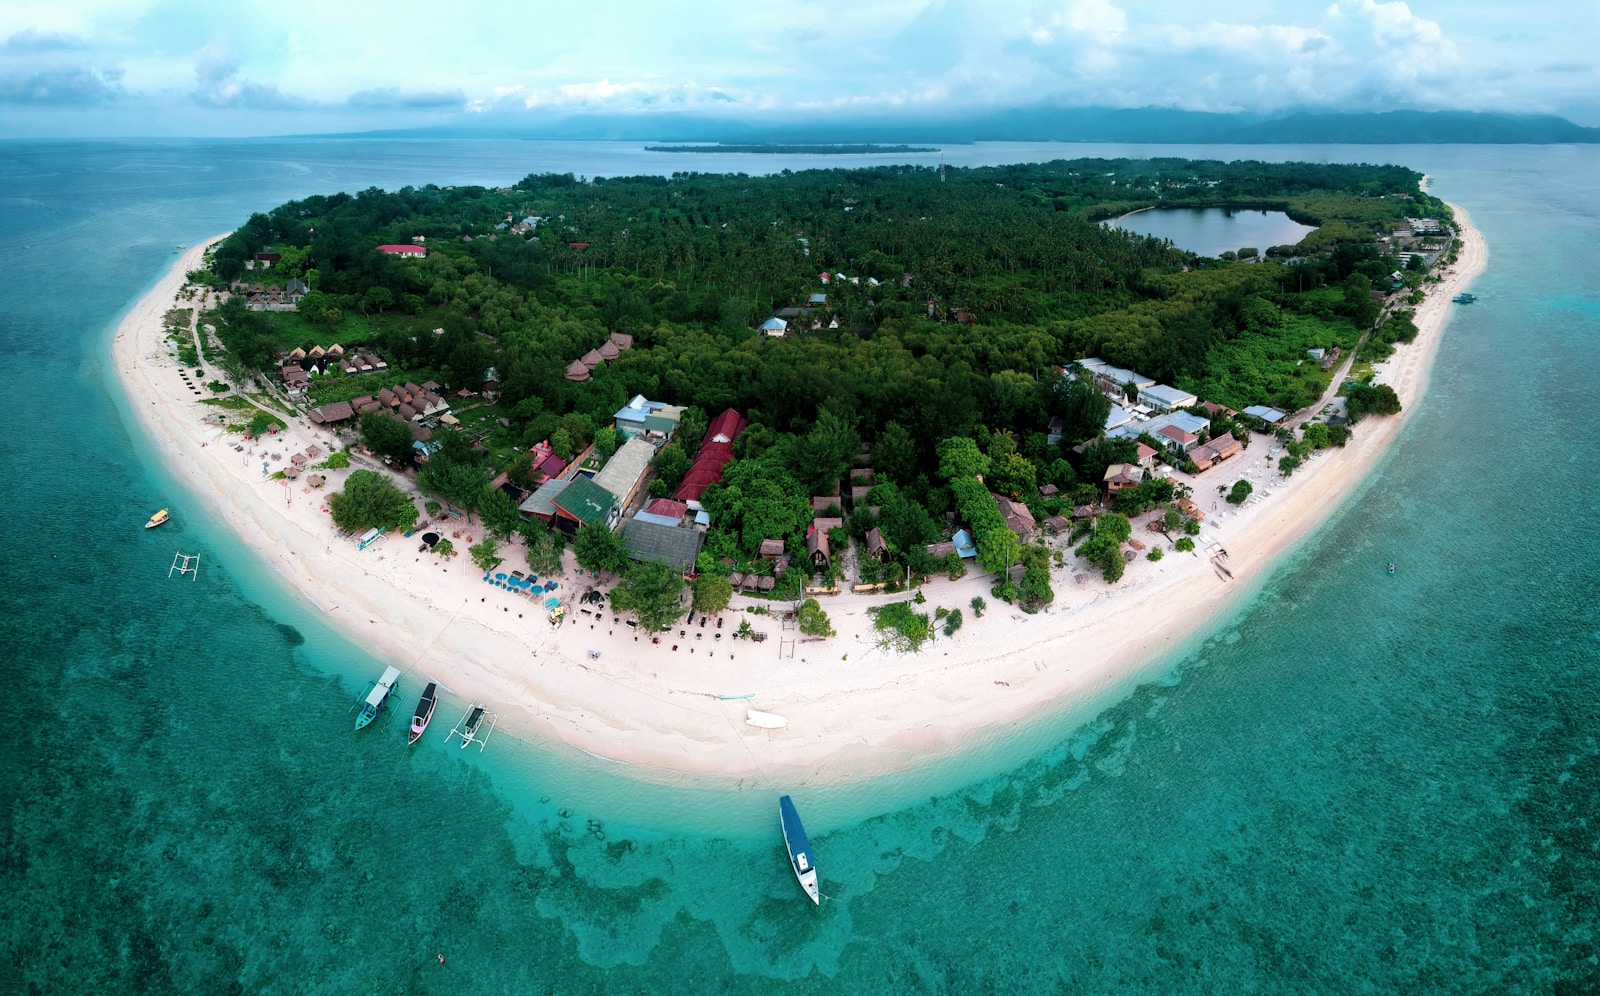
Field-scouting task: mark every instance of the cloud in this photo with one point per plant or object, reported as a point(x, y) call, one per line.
point(62, 87)
point(218, 84)
point(391, 98)
point(606, 96)
point(32, 40)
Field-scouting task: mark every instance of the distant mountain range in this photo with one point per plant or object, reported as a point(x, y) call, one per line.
point(1040, 124)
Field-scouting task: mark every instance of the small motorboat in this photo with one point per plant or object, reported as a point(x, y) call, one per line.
point(424, 712)
point(157, 519)
point(1391, 568)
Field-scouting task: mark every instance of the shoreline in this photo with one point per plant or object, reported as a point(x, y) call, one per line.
point(854, 712)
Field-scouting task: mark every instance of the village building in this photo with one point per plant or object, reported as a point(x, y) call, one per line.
point(818, 546)
point(653, 543)
point(1122, 477)
point(1270, 416)
point(1162, 398)
point(654, 421)
point(716, 449)
point(625, 472)
point(1018, 519)
point(877, 549)
point(582, 503)
point(541, 504)
point(404, 251)
point(1215, 451)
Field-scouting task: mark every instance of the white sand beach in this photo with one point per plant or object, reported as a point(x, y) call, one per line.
point(853, 710)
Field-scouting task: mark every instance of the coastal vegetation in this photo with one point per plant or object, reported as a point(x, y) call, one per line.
point(931, 315)
point(370, 500)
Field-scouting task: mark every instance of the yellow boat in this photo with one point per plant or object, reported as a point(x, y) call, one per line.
point(157, 519)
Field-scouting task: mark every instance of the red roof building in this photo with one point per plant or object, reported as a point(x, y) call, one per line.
point(715, 452)
point(416, 251)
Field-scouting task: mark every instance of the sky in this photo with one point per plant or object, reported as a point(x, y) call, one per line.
point(87, 68)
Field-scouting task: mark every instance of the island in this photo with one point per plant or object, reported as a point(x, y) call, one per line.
point(820, 475)
point(791, 149)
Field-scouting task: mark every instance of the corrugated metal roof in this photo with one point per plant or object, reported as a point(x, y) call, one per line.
point(625, 467)
point(659, 544)
point(585, 500)
point(542, 501)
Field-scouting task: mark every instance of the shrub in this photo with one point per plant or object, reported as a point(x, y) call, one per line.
point(1153, 555)
point(1241, 491)
point(814, 621)
point(978, 605)
point(952, 623)
point(1184, 545)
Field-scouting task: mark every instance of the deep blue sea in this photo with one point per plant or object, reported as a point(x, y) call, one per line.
point(1356, 784)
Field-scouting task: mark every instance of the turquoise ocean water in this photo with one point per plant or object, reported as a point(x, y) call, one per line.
point(1357, 783)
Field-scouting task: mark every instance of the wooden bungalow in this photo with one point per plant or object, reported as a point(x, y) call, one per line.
point(877, 549)
point(817, 545)
point(593, 359)
point(577, 371)
point(622, 340)
point(1057, 524)
point(771, 548)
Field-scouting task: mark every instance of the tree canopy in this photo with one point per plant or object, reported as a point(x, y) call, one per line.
point(370, 500)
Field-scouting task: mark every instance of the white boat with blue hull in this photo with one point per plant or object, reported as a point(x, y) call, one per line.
point(794, 838)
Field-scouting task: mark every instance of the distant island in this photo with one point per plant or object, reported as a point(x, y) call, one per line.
point(1034, 123)
point(795, 150)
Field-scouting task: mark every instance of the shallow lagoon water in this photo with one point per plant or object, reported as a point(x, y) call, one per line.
point(1214, 231)
point(1358, 783)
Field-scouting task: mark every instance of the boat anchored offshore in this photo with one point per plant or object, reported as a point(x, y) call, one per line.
point(1464, 298)
point(794, 838)
point(377, 695)
point(424, 712)
point(157, 519)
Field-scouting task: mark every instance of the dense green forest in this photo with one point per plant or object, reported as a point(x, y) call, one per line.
point(954, 297)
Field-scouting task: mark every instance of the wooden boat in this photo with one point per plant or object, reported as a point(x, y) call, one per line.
point(157, 519)
point(1464, 298)
point(423, 713)
point(377, 695)
point(475, 726)
point(794, 838)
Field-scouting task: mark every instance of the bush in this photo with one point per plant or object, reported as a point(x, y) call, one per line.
point(814, 621)
point(484, 554)
point(444, 548)
point(1184, 545)
point(1154, 555)
point(978, 605)
point(900, 627)
point(954, 566)
point(952, 623)
point(1241, 491)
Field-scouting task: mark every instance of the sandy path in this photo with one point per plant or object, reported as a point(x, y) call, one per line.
point(853, 710)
